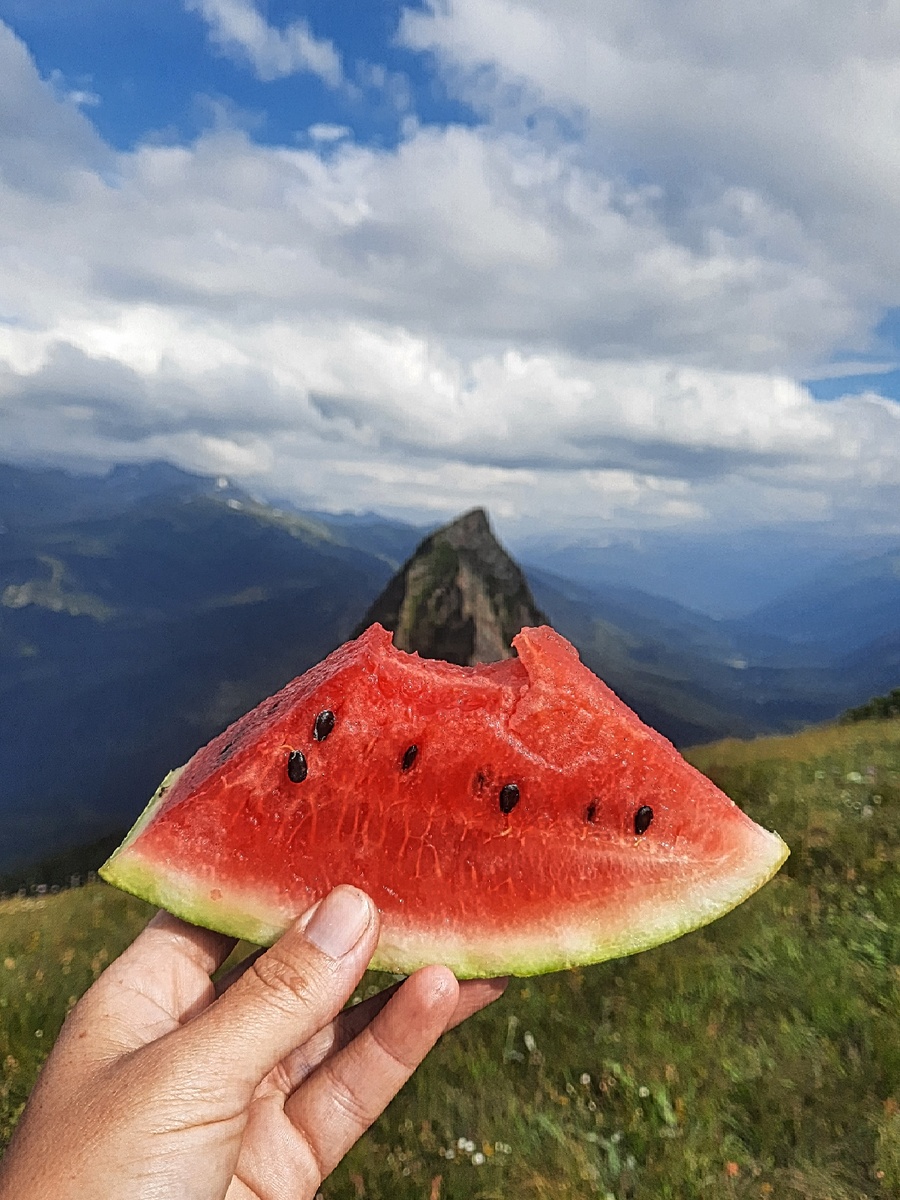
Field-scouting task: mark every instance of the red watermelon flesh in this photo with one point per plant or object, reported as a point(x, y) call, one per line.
point(511, 818)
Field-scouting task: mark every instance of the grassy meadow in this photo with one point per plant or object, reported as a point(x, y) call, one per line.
point(759, 1057)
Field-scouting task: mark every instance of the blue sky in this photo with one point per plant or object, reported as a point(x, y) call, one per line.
point(154, 69)
point(603, 268)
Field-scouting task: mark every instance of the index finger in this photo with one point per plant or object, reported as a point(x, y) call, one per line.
point(290, 992)
point(203, 948)
point(159, 982)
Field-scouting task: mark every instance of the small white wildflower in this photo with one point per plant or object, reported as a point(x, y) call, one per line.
point(585, 1080)
point(530, 1043)
point(469, 1147)
point(853, 777)
point(643, 1092)
point(616, 1137)
point(477, 1159)
point(451, 1153)
point(461, 1143)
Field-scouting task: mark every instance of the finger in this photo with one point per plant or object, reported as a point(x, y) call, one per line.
point(474, 994)
point(159, 982)
point(352, 1088)
point(232, 976)
point(168, 936)
point(289, 993)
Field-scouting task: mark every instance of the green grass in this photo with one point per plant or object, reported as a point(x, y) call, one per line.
point(759, 1057)
point(52, 948)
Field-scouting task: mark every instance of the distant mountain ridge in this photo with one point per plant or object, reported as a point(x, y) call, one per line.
point(841, 610)
point(32, 497)
point(143, 610)
point(460, 597)
point(726, 574)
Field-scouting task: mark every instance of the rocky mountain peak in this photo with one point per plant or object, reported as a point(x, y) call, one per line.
point(460, 597)
point(471, 529)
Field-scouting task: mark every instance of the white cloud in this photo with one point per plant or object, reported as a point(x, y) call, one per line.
point(322, 131)
point(238, 29)
point(45, 142)
point(460, 232)
point(479, 315)
point(775, 122)
point(79, 96)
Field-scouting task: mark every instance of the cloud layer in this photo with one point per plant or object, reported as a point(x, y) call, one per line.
point(588, 308)
point(239, 30)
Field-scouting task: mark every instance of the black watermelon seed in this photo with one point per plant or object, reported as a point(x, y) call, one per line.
point(297, 766)
point(642, 819)
point(409, 757)
point(509, 797)
point(591, 812)
point(226, 749)
point(324, 725)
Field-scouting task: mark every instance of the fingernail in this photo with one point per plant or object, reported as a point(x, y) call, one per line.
point(339, 921)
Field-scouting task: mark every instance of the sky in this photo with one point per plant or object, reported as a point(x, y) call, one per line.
point(600, 267)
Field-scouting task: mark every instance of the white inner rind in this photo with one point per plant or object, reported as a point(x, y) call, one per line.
point(632, 920)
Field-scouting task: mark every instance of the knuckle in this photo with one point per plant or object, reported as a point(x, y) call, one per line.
point(351, 1106)
point(405, 1064)
point(282, 982)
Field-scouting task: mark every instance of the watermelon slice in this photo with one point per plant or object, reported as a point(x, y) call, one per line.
point(511, 818)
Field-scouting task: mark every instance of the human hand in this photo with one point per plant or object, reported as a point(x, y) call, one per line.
point(158, 1089)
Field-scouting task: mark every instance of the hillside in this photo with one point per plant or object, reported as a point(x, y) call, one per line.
point(825, 638)
point(841, 610)
point(139, 617)
point(727, 573)
point(756, 1058)
point(684, 674)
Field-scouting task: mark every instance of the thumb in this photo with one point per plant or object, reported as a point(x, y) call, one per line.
point(289, 993)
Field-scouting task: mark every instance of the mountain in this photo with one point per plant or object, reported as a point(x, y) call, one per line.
point(31, 498)
point(684, 673)
point(852, 604)
point(140, 613)
point(460, 597)
point(725, 574)
point(392, 541)
point(143, 610)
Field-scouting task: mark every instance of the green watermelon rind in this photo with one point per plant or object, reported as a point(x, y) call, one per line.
point(564, 941)
point(147, 815)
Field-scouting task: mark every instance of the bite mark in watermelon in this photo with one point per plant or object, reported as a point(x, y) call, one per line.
point(509, 818)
